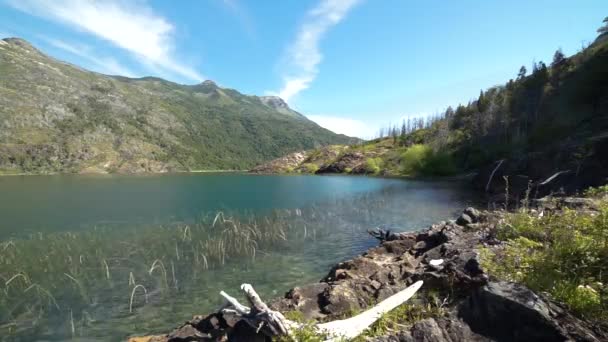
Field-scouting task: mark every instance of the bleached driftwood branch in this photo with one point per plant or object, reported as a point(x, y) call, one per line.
point(355, 326)
point(273, 323)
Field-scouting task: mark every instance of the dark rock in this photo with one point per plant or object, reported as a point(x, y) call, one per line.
point(187, 333)
point(473, 213)
point(243, 332)
point(464, 220)
point(304, 299)
point(511, 312)
point(349, 160)
point(472, 267)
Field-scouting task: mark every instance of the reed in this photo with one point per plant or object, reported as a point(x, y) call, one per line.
point(133, 295)
point(41, 274)
point(158, 264)
point(107, 269)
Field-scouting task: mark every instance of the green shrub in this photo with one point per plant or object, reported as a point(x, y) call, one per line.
point(563, 254)
point(599, 191)
point(311, 167)
point(421, 159)
point(372, 165)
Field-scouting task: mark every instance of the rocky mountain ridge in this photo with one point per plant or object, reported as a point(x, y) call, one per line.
point(57, 117)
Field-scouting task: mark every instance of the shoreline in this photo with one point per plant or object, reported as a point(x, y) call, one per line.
point(459, 177)
point(459, 299)
point(118, 173)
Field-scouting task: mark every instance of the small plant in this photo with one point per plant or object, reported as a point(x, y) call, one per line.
point(426, 306)
point(597, 192)
point(562, 253)
point(421, 159)
point(311, 167)
point(306, 333)
point(372, 165)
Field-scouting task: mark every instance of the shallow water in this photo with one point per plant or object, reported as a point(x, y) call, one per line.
point(83, 243)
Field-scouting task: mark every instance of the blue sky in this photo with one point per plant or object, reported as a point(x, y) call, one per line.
point(350, 65)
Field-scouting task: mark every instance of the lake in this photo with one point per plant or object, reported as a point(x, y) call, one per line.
point(102, 257)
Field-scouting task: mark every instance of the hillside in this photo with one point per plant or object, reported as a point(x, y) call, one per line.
point(554, 119)
point(56, 117)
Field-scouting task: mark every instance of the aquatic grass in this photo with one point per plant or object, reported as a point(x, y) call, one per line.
point(81, 289)
point(159, 264)
point(107, 269)
point(42, 291)
point(89, 271)
point(133, 295)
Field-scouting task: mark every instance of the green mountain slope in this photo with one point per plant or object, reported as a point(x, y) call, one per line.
point(552, 120)
point(56, 117)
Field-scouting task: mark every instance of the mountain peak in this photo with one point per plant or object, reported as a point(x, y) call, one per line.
point(19, 42)
point(274, 102)
point(209, 83)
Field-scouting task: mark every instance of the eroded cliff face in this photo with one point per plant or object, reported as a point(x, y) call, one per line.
point(469, 304)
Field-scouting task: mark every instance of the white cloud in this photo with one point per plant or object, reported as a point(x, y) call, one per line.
point(132, 26)
point(106, 65)
point(350, 127)
point(303, 55)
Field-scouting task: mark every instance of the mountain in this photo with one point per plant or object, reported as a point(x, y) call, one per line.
point(57, 117)
point(547, 127)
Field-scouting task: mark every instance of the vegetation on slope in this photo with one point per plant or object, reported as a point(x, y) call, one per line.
point(55, 117)
point(554, 118)
point(562, 253)
point(382, 156)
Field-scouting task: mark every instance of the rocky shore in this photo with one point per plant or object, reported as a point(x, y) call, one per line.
point(459, 300)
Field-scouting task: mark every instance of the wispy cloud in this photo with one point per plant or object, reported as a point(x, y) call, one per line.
point(304, 55)
point(106, 65)
point(350, 127)
point(132, 26)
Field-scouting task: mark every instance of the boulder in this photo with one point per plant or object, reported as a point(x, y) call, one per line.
point(505, 311)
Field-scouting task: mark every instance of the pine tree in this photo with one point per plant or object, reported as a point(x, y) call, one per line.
point(558, 58)
point(481, 102)
point(604, 29)
point(522, 72)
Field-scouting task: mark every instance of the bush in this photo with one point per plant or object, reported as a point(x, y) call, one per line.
point(599, 191)
point(372, 165)
point(420, 159)
point(311, 167)
point(563, 254)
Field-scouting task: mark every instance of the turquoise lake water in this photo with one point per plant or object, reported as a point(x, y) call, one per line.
point(82, 243)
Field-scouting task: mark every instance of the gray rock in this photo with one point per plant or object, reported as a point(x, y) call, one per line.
point(464, 220)
point(473, 213)
point(506, 311)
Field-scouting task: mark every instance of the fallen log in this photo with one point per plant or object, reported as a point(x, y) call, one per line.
point(355, 326)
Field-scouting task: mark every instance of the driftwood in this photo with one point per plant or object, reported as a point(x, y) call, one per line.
point(273, 323)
